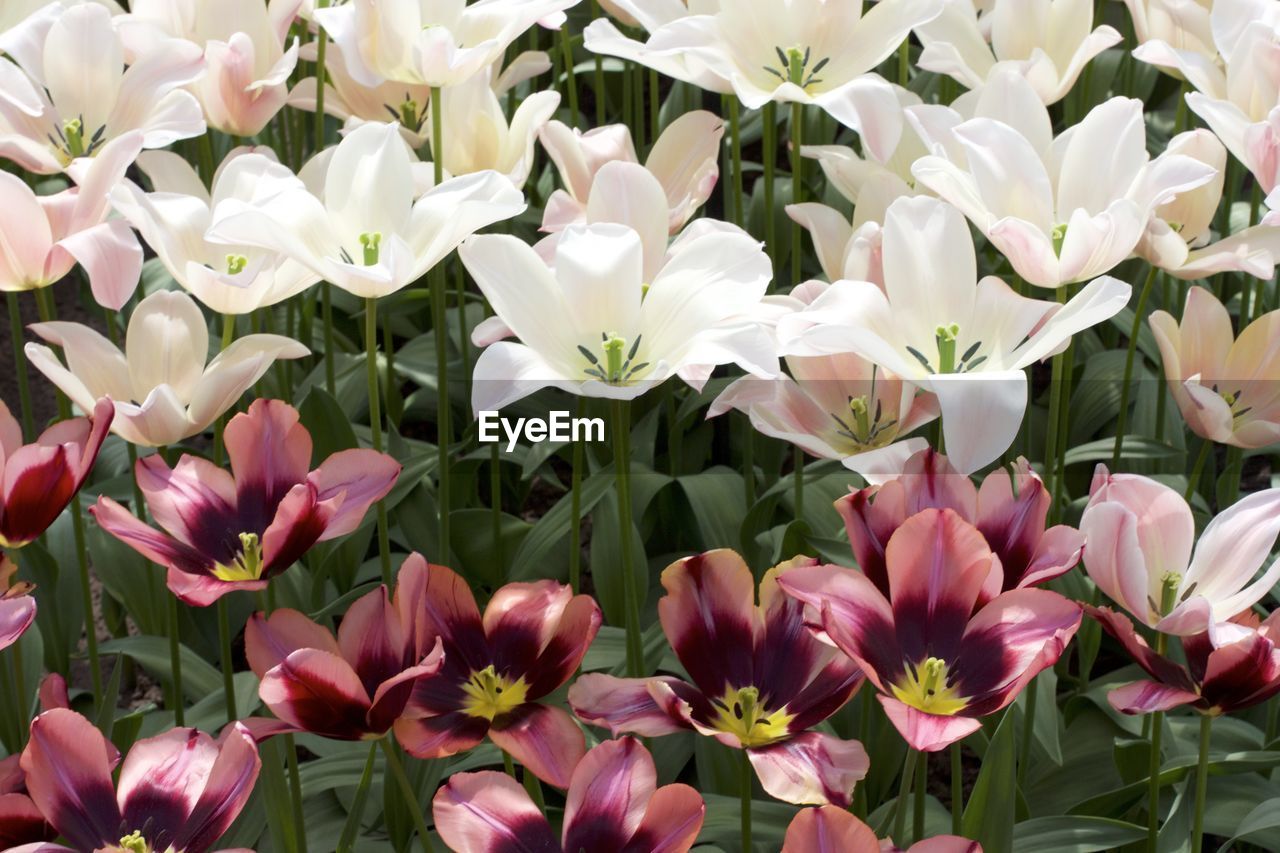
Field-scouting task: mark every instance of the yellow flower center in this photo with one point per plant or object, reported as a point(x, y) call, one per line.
point(135, 843)
point(740, 714)
point(490, 695)
point(925, 687)
point(247, 566)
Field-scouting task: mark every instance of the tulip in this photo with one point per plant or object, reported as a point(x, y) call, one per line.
point(685, 161)
point(603, 37)
point(1139, 552)
point(175, 217)
point(20, 821)
point(17, 607)
point(14, 12)
point(1224, 386)
point(1235, 91)
point(593, 326)
point(614, 803)
point(941, 664)
point(66, 92)
point(180, 790)
point(435, 43)
point(45, 236)
point(227, 531)
point(793, 51)
point(829, 829)
point(1178, 237)
point(368, 232)
point(1049, 42)
point(41, 478)
point(1229, 667)
point(1182, 24)
point(162, 390)
point(935, 325)
point(246, 77)
point(1009, 510)
point(529, 642)
point(836, 407)
point(1062, 210)
point(354, 686)
point(759, 681)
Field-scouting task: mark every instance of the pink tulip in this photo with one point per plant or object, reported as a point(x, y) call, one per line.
point(20, 821)
point(758, 681)
point(354, 686)
point(832, 830)
point(939, 665)
point(1009, 510)
point(41, 478)
point(1139, 552)
point(180, 790)
point(1225, 387)
point(227, 531)
point(47, 235)
point(614, 803)
point(497, 667)
point(1229, 667)
point(17, 607)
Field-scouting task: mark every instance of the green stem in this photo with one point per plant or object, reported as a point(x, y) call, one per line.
point(220, 425)
point(797, 186)
point(1202, 783)
point(1055, 406)
point(900, 810)
point(575, 509)
point(444, 415)
point(375, 424)
point(352, 827)
point(571, 77)
point(228, 671)
point(460, 291)
point(1028, 730)
point(1134, 330)
point(598, 76)
point(739, 219)
point(746, 778)
point(407, 791)
point(1193, 482)
point(631, 597)
point(295, 792)
point(322, 45)
point(23, 699)
point(957, 790)
point(917, 812)
point(326, 315)
point(770, 165)
point(797, 465)
point(1153, 783)
point(904, 62)
point(175, 663)
point(20, 360)
point(495, 503)
point(86, 595)
point(655, 107)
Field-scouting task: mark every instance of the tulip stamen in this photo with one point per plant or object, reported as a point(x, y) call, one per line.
point(867, 428)
point(741, 713)
point(794, 67)
point(928, 687)
point(615, 369)
point(408, 113)
point(490, 695)
point(371, 242)
point(236, 264)
point(247, 565)
point(1059, 237)
point(135, 843)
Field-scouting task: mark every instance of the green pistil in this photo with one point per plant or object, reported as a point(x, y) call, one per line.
point(947, 337)
point(135, 843)
point(794, 67)
point(613, 347)
point(1169, 584)
point(247, 565)
point(372, 245)
point(73, 132)
point(409, 113)
point(618, 366)
point(861, 414)
point(236, 264)
point(1059, 237)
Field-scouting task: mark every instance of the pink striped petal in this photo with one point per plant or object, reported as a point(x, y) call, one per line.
point(392, 696)
point(16, 616)
point(38, 482)
point(811, 769)
point(520, 621)
point(147, 541)
point(319, 693)
point(442, 736)
point(372, 640)
point(563, 654)
point(268, 640)
point(710, 618)
point(829, 830)
point(68, 766)
point(163, 777)
point(1143, 697)
point(361, 478)
point(671, 822)
point(270, 453)
point(927, 732)
point(226, 790)
point(489, 812)
point(299, 522)
point(608, 794)
point(545, 740)
point(624, 704)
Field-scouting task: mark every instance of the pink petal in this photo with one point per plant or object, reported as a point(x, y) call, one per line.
point(671, 822)
point(21, 822)
point(1143, 697)
point(545, 740)
point(195, 502)
point(489, 812)
point(563, 654)
point(112, 261)
point(268, 640)
point(38, 483)
point(437, 602)
point(16, 616)
point(299, 523)
point(319, 693)
point(204, 590)
point(392, 696)
point(147, 541)
point(520, 620)
point(829, 830)
point(361, 478)
point(442, 736)
point(927, 732)
point(163, 777)
point(68, 766)
point(270, 453)
point(811, 769)
point(226, 790)
point(608, 794)
point(372, 640)
point(623, 705)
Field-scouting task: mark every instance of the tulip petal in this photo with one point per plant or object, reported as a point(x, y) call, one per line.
point(268, 640)
point(16, 616)
point(372, 640)
point(1145, 697)
point(68, 767)
point(811, 769)
point(147, 541)
point(625, 704)
point(1230, 550)
point(318, 692)
point(226, 791)
point(927, 732)
point(710, 618)
point(361, 478)
point(608, 794)
point(235, 370)
point(195, 502)
point(112, 260)
point(38, 483)
point(671, 822)
point(442, 736)
point(520, 620)
point(829, 830)
point(270, 453)
point(565, 649)
point(545, 740)
point(162, 779)
point(489, 812)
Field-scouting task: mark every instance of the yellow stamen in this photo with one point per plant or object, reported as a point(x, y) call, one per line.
point(490, 695)
point(925, 688)
point(740, 714)
point(247, 565)
point(135, 843)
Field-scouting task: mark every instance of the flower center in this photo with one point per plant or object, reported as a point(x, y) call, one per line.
point(615, 368)
point(926, 688)
point(863, 425)
point(135, 843)
point(793, 67)
point(408, 113)
point(236, 264)
point(1059, 237)
point(1232, 399)
point(247, 566)
point(740, 714)
point(947, 339)
point(490, 695)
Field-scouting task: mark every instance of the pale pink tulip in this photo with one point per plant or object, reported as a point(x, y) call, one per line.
point(1225, 387)
point(65, 92)
point(1138, 550)
point(45, 236)
point(162, 390)
point(14, 12)
point(247, 65)
point(1181, 24)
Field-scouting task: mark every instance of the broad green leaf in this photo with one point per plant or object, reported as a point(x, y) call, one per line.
point(1074, 835)
point(989, 813)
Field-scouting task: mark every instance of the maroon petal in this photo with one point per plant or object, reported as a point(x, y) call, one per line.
point(68, 767)
point(545, 740)
point(439, 603)
point(359, 479)
point(372, 640)
point(520, 621)
point(268, 640)
point(608, 794)
point(811, 769)
point(270, 453)
point(671, 822)
point(624, 704)
point(1013, 522)
point(38, 484)
point(1143, 697)
point(319, 693)
point(489, 812)
point(155, 546)
point(21, 822)
point(104, 412)
point(391, 697)
point(227, 789)
point(869, 524)
point(442, 736)
point(1158, 667)
point(161, 781)
point(927, 732)
point(195, 502)
point(710, 618)
point(829, 830)
point(1242, 674)
point(563, 654)
point(299, 523)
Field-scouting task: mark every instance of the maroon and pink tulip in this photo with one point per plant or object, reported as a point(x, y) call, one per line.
point(20, 821)
point(759, 681)
point(225, 531)
point(832, 830)
point(940, 658)
point(614, 803)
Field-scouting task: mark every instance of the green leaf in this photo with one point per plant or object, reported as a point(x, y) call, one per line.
point(719, 505)
point(989, 814)
point(199, 679)
point(1133, 448)
point(1074, 835)
point(532, 558)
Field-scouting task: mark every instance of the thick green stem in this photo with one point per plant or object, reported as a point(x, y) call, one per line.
point(597, 80)
point(20, 362)
point(1055, 405)
point(375, 425)
point(957, 790)
point(1202, 783)
point(570, 75)
point(746, 777)
point(322, 46)
point(444, 414)
point(1136, 328)
point(352, 827)
point(408, 793)
point(1153, 783)
point(1193, 481)
point(797, 186)
point(630, 595)
point(228, 670)
point(900, 810)
point(917, 811)
point(220, 425)
point(295, 792)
